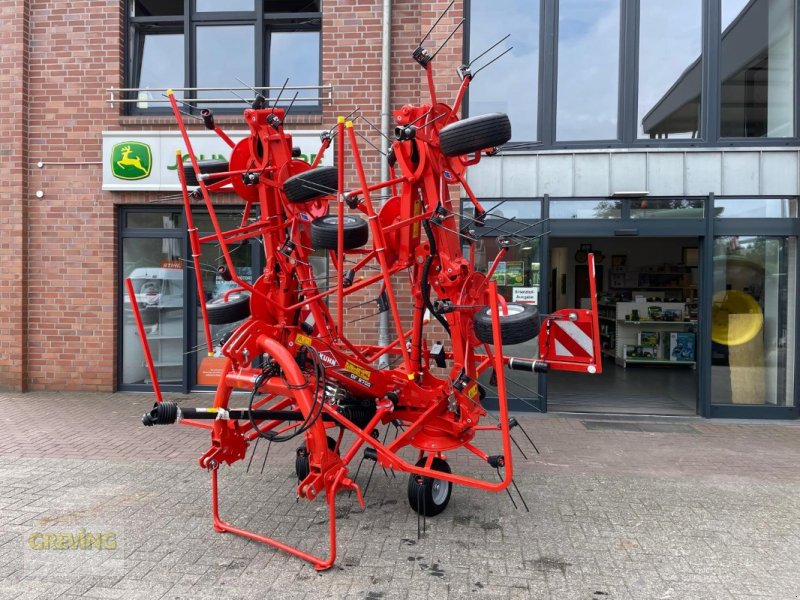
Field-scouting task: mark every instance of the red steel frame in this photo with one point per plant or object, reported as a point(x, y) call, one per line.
point(440, 413)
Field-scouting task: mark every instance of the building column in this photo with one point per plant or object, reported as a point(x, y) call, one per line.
point(14, 37)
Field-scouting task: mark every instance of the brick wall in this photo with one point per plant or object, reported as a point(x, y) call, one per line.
point(14, 32)
point(58, 284)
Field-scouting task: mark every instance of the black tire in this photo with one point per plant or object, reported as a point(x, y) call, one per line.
point(306, 186)
point(429, 496)
point(301, 460)
point(519, 325)
point(474, 134)
point(235, 309)
point(205, 166)
point(325, 232)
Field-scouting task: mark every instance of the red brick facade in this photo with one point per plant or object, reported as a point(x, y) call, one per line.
point(58, 282)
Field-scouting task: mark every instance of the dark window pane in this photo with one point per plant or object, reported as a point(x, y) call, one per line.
point(670, 44)
point(588, 70)
point(157, 8)
point(295, 54)
point(161, 64)
point(757, 68)
point(509, 85)
point(223, 54)
point(277, 6)
point(153, 220)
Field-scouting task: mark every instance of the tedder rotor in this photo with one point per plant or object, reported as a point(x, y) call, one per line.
point(305, 378)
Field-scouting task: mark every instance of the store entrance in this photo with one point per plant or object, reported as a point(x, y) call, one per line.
point(648, 316)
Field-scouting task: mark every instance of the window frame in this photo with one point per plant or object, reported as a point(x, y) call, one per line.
point(628, 84)
point(264, 23)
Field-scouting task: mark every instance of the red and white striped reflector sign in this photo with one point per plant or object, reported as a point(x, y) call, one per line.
point(572, 339)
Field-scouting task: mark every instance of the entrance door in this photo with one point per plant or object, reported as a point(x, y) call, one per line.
point(519, 279)
point(647, 303)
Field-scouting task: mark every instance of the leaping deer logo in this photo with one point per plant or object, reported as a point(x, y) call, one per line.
point(127, 160)
point(131, 160)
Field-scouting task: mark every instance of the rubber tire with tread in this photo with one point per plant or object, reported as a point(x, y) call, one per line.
point(205, 166)
point(325, 232)
point(310, 184)
point(423, 492)
point(476, 133)
point(301, 459)
point(514, 328)
point(235, 309)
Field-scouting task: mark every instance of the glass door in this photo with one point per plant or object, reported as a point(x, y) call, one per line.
point(246, 259)
point(518, 278)
point(753, 306)
point(152, 256)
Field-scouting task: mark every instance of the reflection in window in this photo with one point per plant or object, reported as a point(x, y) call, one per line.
point(511, 84)
point(508, 209)
point(670, 44)
point(588, 69)
point(295, 55)
point(753, 322)
point(224, 5)
point(223, 54)
point(585, 209)
point(672, 208)
point(161, 63)
point(757, 68)
point(758, 208)
point(155, 268)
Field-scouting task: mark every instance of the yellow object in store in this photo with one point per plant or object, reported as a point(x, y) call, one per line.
point(733, 332)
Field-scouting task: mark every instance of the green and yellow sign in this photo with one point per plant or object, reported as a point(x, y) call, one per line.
point(131, 160)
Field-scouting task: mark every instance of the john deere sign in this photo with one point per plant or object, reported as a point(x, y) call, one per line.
point(145, 160)
point(131, 160)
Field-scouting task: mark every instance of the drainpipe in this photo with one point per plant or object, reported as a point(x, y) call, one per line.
point(386, 72)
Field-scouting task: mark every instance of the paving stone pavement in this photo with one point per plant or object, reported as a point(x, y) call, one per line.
point(643, 510)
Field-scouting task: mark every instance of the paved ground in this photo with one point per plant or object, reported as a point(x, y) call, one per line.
point(640, 509)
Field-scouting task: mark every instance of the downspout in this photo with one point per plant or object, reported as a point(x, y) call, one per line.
point(386, 73)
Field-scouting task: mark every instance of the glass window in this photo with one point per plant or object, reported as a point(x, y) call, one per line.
point(223, 54)
point(507, 209)
point(295, 55)
point(223, 49)
point(757, 68)
point(670, 71)
point(155, 267)
point(672, 208)
point(225, 5)
point(588, 69)
point(585, 209)
point(509, 85)
point(153, 220)
point(161, 63)
point(156, 8)
point(758, 208)
point(753, 320)
point(518, 276)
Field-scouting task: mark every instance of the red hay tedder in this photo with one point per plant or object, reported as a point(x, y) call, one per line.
point(305, 378)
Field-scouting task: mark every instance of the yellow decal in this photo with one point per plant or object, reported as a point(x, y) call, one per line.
point(303, 340)
point(357, 371)
point(472, 392)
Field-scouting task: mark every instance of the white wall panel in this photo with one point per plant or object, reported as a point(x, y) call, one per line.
point(592, 175)
point(555, 174)
point(740, 173)
point(778, 173)
point(628, 172)
point(703, 173)
point(665, 174)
